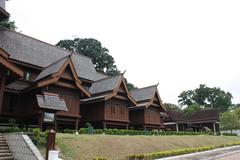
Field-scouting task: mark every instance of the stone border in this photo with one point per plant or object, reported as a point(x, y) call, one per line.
point(22, 147)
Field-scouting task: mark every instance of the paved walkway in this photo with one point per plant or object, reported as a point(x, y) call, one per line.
point(228, 153)
point(235, 156)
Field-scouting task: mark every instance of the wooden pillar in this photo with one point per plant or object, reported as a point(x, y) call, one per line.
point(104, 125)
point(50, 142)
point(76, 124)
point(177, 127)
point(214, 128)
point(127, 126)
point(2, 87)
point(40, 121)
point(144, 127)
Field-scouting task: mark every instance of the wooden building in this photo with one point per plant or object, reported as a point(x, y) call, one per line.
point(3, 13)
point(176, 121)
point(146, 114)
point(109, 105)
point(31, 69)
point(199, 121)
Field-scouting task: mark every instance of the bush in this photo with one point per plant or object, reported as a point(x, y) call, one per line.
point(90, 130)
point(100, 158)
point(229, 134)
point(39, 138)
point(150, 156)
point(10, 130)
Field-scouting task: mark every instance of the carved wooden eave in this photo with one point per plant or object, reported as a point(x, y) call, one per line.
point(54, 78)
point(5, 62)
point(115, 91)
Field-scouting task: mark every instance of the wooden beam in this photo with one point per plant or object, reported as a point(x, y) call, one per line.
point(11, 66)
point(66, 85)
point(120, 97)
point(47, 82)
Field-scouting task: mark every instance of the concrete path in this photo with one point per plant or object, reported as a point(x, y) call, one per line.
point(235, 156)
point(227, 153)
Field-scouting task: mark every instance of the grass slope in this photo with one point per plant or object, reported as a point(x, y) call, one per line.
point(87, 147)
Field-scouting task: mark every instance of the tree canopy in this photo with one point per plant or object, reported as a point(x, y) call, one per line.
point(206, 97)
point(8, 24)
point(102, 60)
point(229, 121)
point(92, 48)
point(172, 106)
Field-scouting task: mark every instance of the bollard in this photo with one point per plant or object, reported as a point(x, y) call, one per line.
point(50, 142)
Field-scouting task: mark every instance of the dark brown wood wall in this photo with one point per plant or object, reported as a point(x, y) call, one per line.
point(137, 116)
point(152, 115)
point(71, 97)
point(117, 110)
point(92, 112)
point(20, 104)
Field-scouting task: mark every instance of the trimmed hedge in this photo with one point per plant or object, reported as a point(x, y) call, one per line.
point(10, 130)
point(91, 130)
point(100, 158)
point(229, 134)
point(162, 154)
point(150, 156)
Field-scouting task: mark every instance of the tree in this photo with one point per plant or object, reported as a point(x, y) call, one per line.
point(237, 112)
point(206, 97)
point(130, 86)
point(186, 98)
point(188, 111)
point(8, 24)
point(102, 60)
point(171, 106)
point(229, 121)
point(92, 48)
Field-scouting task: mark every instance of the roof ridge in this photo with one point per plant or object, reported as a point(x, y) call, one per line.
point(56, 61)
point(107, 78)
point(144, 88)
point(67, 51)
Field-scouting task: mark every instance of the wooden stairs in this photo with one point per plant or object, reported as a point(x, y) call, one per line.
point(5, 153)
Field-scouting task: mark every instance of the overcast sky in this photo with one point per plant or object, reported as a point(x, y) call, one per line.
point(176, 43)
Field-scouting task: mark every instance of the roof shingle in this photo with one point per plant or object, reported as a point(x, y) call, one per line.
point(104, 85)
point(146, 93)
point(51, 101)
point(35, 52)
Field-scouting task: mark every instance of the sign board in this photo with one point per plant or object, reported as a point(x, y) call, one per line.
point(48, 117)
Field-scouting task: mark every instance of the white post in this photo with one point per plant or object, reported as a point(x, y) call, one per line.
point(177, 127)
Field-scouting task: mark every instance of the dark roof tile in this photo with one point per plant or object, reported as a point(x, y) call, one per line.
point(35, 52)
point(104, 85)
point(142, 94)
point(51, 101)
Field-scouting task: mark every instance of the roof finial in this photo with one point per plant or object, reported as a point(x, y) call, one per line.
point(124, 72)
point(157, 84)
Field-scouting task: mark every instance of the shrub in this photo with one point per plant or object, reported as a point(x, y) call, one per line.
point(91, 130)
point(12, 123)
point(150, 156)
point(229, 134)
point(100, 158)
point(39, 138)
point(10, 130)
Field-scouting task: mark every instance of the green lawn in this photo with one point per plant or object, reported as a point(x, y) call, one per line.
point(86, 147)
